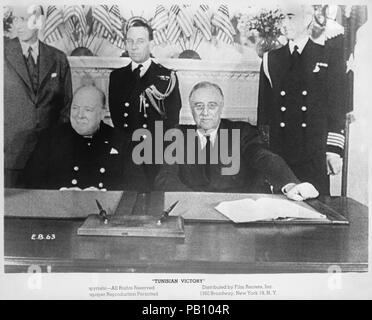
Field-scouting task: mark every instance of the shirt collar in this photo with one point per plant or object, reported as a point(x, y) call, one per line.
point(203, 139)
point(145, 66)
point(300, 43)
point(34, 46)
point(320, 40)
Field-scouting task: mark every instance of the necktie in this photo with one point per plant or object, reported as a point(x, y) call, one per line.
point(295, 58)
point(208, 158)
point(32, 69)
point(295, 52)
point(137, 72)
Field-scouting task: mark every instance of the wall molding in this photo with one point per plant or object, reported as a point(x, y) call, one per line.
point(239, 81)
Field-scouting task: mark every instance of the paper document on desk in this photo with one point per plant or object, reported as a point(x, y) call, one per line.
point(249, 210)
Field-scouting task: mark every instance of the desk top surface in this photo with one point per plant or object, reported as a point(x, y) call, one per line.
point(207, 248)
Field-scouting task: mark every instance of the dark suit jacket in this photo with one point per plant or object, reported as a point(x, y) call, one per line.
point(26, 112)
point(124, 98)
point(259, 168)
point(299, 134)
point(63, 158)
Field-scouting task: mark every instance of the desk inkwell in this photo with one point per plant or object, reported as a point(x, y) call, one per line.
point(120, 225)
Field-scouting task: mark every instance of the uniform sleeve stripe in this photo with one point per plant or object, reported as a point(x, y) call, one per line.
point(336, 140)
point(340, 145)
point(335, 135)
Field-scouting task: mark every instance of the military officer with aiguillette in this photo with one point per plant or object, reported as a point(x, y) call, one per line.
point(143, 91)
point(301, 102)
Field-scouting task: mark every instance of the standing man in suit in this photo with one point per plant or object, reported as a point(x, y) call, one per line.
point(143, 91)
point(37, 90)
point(301, 102)
point(255, 162)
point(85, 153)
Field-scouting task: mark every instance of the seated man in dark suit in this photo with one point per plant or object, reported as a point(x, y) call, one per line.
point(86, 154)
point(222, 139)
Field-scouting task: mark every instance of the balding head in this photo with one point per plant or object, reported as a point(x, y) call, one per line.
point(87, 110)
point(297, 20)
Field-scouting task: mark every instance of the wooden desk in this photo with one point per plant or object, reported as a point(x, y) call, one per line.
point(208, 247)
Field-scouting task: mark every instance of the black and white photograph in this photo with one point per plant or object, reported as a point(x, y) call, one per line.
point(185, 150)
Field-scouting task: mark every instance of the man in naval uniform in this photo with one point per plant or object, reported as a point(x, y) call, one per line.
point(301, 102)
point(256, 169)
point(143, 91)
point(37, 90)
point(84, 154)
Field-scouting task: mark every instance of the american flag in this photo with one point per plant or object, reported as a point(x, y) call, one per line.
point(101, 21)
point(173, 30)
point(54, 18)
point(117, 27)
point(185, 20)
point(222, 21)
point(74, 16)
point(159, 24)
point(202, 20)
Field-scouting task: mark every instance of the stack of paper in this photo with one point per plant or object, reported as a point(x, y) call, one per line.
point(248, 210)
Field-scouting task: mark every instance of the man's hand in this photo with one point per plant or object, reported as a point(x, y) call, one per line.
point(78, 189)
point(94, 189)
point(300, 192)
point(70, 189)
point(334, 163)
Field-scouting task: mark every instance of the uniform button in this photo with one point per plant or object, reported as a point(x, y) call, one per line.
point(126, 104)
point(125, 114)
point(89, 144)
point(100, 185)
point(145, 115)
point(282, 93)
point(283, 109)
point(304, 93)
point(74, 181)
point(125, 125)
point(106, 142)
point(144, 126)
point(76, 168)
point(303, 108)
point(282, 124)
point(144, 136)
point(102, 170)
point(303, 125)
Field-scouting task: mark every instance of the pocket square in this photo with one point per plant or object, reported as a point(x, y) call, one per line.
point(53, 75)
point(114, 151)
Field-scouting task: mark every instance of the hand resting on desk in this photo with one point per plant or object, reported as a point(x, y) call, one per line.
point(300, 192)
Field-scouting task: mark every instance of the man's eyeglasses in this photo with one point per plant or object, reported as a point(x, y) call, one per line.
point(200, 107)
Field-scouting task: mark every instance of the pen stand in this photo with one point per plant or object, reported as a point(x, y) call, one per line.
point(133, 226)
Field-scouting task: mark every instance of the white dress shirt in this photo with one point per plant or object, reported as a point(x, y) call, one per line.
point(145, 66)
point(300, 43)
point(203, 140)
point(34, 52)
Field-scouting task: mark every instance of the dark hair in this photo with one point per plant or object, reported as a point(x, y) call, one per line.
point(139, 22)
point(205, 84)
